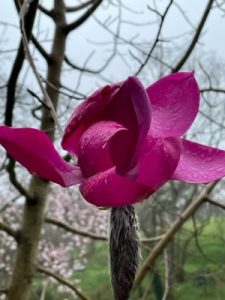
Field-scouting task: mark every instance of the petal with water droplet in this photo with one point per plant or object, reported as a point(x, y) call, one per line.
point(175, 104)
point(199, 163)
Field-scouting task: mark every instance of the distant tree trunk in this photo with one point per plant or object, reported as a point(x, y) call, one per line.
point(170, 269)
point(34, 208)
point(157, 285)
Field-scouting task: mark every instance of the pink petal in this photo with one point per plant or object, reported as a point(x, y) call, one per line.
point(95, 144)
point(126, 103)
point(131, 108)
point(35, 151)
point(158, 161)
point(87, 113)
point(175, 104)
point(108, 189)
point(199, 163)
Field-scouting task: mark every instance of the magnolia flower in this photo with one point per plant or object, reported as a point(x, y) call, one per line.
point(127, 140)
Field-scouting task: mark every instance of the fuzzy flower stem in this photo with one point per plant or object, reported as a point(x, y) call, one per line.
point(124, 250)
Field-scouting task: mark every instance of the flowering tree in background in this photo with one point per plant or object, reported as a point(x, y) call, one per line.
point(27, 203)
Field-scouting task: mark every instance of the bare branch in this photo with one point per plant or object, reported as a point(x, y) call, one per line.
point(213, 90)
point(74, 230)
point(10, 231)
point(18, 63)
point(41, 50)
point(156, 251)
point(13, 179)
point(220, 205)
point(162, 17)
point(92, 235)
point(45, 11)
point(63, 281)
point(68, 28)
point(195, 39)
point(38, 77)
point(79, 7)
point(167, 270)
point(3, 291)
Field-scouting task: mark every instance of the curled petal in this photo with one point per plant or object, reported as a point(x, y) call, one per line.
point(158, 161)
point(35, 151)
point(199, 163)
point(131, 108)
point(94, 154)
point(126, 103)
point(175, 104)
point(87, 113)
point(108, 189)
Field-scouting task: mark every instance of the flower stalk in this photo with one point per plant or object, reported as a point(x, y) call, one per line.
point(124, 250)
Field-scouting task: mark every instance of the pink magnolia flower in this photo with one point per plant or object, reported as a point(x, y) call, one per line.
point(127, 140)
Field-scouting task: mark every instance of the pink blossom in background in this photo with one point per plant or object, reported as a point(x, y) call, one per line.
point(127, 140)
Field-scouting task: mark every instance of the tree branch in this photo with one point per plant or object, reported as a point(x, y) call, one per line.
point(62, 281)
point(220, 205)
point(91, 235)
point(73, 230)
point(13, 179)
point(195, 37)
point(213, 90)
point(13, 233)
point(41, 50)
point(157, 36)
point(45, 11)
point(68, 28)
point(79, 7)
point(158, 248)
point(18, 63)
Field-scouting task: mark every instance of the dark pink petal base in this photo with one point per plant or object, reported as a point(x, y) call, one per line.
point(108, 189)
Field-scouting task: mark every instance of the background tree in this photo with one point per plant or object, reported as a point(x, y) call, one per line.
point(76, 46)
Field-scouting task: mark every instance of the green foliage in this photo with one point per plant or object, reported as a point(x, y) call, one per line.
point(204, 269)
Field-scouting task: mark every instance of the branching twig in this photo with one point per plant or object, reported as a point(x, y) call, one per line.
point(18, 63)
point(45, 11)
point(162, 17)
point(196, 36)
point(80, 6)
point(36, 74)
point(74, 230)
point(92, 235)
point(63, 281)
point(14, 181)
point(167, 270)
point(68, 28)
point(156, 251)
point(10, 231)
point(41, 50)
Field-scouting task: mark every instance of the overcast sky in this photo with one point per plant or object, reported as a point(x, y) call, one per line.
point(79, 45)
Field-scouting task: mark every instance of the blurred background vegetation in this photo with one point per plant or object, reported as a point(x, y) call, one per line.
point(110, 40)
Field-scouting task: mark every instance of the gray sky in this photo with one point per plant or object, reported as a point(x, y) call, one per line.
point(80, 45)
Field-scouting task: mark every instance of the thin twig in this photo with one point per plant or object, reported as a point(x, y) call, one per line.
point(92, 235)
point(34, 69)
point(196, 36)
point(62, 281)
point(9, 230)
point(158, 248)
point(167, 270)
point(68, 28)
